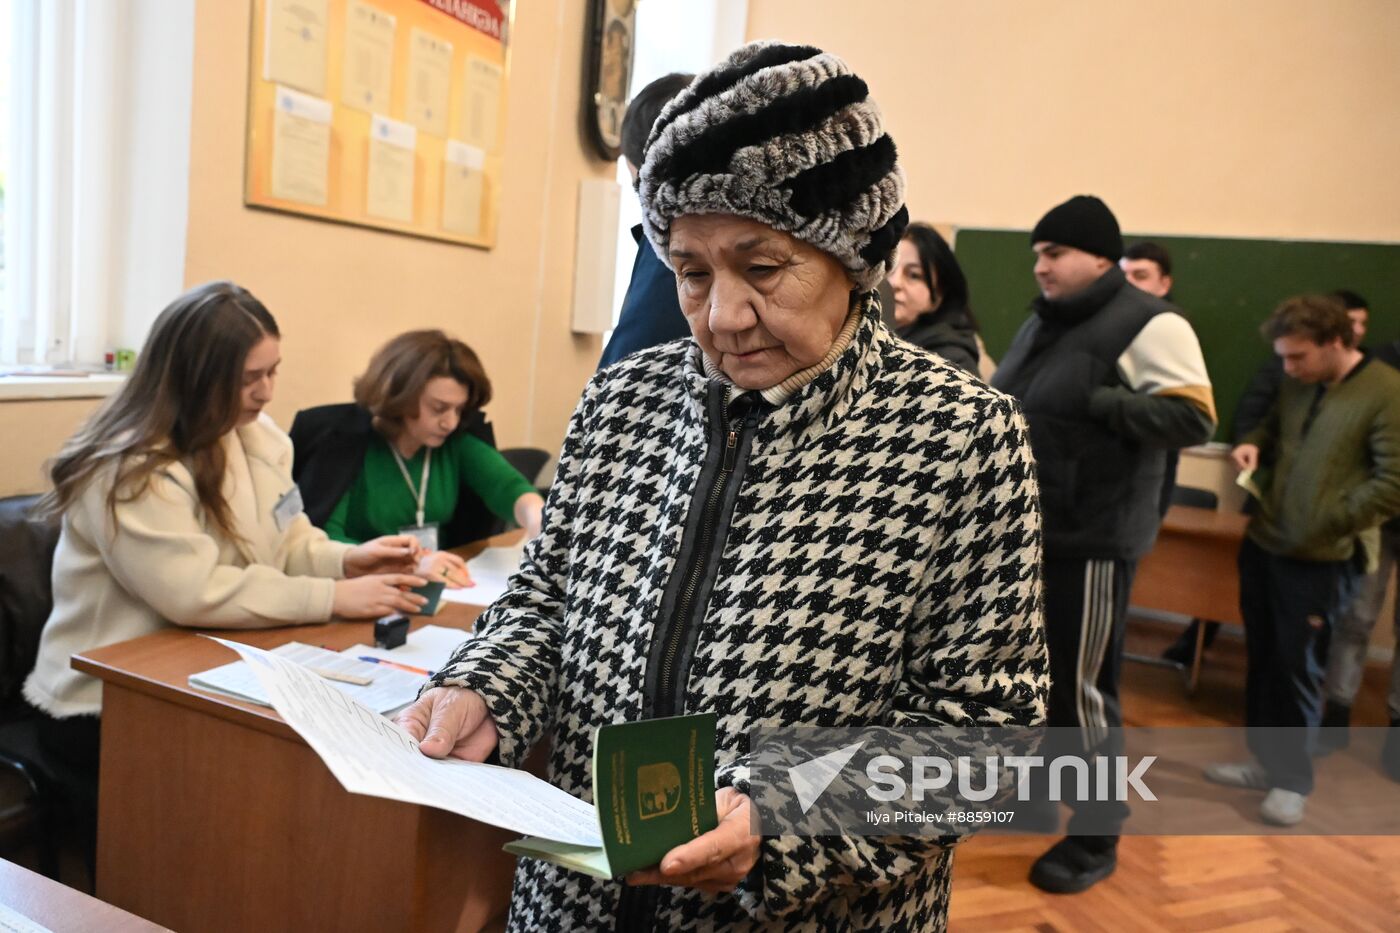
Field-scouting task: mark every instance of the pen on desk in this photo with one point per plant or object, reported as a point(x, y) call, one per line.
point(357, 679)
point(396, 665)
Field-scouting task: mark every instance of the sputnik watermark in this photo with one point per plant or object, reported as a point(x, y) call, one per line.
point(929, 775)
point(937, 781)
point(932, 774)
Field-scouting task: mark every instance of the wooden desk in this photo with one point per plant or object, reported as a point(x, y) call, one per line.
point(61, 908)
point(214, 815)
point(1192, 568)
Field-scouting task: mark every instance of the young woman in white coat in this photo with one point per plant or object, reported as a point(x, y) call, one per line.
point(177, 506)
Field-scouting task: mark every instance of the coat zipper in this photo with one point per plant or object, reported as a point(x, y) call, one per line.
point(665, 686)
point(637, 906)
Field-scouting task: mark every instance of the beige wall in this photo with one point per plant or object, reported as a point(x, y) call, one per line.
point(338, 292)
point(1258, 118)
point(30, 433)
point(1261, 118)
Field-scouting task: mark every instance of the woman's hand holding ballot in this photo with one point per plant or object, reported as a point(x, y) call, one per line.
point(451, 722)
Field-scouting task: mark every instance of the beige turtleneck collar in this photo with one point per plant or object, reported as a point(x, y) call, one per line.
point(777, 394)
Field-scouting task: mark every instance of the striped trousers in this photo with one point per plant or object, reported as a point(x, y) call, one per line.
point(1086, 608)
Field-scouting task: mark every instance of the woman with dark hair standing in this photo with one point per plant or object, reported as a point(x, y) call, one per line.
point(930, 298)
point(177, 506)
point(412, 453)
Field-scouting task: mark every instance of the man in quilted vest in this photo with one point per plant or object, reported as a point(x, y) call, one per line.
point(1111, 380)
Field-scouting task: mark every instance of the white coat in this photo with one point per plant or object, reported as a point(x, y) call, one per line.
point(164, 562)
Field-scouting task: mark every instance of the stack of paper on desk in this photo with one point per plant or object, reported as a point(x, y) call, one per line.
point(388, 690)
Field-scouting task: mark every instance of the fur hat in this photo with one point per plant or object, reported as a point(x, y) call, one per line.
point(787, 136)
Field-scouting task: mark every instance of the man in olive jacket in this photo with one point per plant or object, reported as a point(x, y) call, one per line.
point(1333, 437)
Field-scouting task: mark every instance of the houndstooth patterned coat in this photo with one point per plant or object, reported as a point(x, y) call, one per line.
point(881, 566)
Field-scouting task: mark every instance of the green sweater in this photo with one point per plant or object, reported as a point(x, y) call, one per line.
point(1334, 481)
point(379, 501)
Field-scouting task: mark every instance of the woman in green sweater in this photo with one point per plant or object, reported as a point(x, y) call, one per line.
point(412, 454)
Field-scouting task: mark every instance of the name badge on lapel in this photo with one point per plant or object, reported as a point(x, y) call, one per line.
point(287, 508)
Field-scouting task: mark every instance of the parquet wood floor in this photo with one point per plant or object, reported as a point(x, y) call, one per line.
point(1242, 884)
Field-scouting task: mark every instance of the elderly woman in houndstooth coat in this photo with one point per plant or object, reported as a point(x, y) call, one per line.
point(792, 518)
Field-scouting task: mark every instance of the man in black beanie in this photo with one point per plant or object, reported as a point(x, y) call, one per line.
point(1110, 379)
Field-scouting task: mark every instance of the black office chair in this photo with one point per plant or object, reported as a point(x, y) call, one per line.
point(29, 779)
point(529, 461)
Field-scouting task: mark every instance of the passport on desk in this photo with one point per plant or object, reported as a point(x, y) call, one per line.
point(653, 788)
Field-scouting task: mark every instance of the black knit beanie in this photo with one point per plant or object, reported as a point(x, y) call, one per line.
point(1083, 222)
point(788, 136)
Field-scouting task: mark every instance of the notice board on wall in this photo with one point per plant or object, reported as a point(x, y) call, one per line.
point(380, 113)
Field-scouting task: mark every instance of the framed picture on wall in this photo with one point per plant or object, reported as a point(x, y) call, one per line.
point(611, 35)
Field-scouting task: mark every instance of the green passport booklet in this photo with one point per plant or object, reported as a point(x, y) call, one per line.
point(432, 592)
point(653, 788)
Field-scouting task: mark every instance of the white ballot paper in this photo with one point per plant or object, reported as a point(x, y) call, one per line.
point(371, 755)
point(491, 571)
point(12, 921)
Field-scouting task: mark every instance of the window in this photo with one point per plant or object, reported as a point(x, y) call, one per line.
point(95, 103)
point(670, 37)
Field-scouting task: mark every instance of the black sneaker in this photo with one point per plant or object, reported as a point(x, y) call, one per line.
point(1390, 751)
point(1075, 863)
point(1335, 733)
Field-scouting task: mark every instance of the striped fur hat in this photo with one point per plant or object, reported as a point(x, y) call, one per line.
point(788, 136)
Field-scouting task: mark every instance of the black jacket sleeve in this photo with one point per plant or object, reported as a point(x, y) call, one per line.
point(1258, 397)
point(1170, 421)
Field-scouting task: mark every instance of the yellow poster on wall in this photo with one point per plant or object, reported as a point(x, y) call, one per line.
point(380, 113)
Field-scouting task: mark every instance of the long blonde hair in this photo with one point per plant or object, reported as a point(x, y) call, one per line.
point(182, 398)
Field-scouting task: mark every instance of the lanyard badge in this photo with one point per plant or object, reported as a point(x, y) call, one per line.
point(425, 532)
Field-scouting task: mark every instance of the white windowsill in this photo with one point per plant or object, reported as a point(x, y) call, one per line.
point(29, 388)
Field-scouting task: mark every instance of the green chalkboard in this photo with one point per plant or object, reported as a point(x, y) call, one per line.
point(1226, 286)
